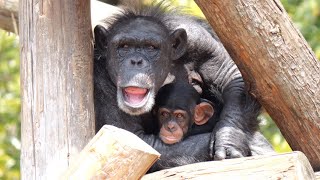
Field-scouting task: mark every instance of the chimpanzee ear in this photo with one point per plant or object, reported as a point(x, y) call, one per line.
point(203, 112)
point(100, 36)
point(179, 43)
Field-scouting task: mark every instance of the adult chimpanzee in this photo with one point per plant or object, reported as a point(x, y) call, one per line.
point(179, 109)
point(134, 56)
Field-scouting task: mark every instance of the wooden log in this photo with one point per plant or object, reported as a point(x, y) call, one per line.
point(293, 165)
point(277, 63)
point(113, 153)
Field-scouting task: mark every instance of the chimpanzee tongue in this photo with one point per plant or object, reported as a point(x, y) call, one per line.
point(134, 95)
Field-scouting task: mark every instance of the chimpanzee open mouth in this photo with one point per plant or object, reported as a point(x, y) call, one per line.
point(135, 96)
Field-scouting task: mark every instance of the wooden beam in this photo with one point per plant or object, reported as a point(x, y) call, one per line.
point(57, 115)
point(293, 165)
point(9, 15)
point(113, 153)
point(278, 64)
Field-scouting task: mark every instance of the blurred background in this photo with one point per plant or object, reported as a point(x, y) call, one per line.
point(304, 13)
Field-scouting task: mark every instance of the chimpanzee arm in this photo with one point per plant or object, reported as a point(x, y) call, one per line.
point(231, 131)
point(231, 136)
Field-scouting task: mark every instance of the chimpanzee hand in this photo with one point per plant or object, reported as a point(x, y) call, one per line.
point(228, 142)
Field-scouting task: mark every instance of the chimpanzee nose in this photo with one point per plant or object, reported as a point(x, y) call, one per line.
point(171, 126)
point(137, 62)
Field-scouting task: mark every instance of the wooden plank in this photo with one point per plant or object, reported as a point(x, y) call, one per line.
point(56, 85)
point(113, 153)
point(293, 165)
point(277, 63)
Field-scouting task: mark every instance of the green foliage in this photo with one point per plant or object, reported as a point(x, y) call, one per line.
point(9, 107)
point(272, 133)
point(306, 16)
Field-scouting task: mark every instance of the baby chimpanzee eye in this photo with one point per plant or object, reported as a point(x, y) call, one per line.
point(164, 114)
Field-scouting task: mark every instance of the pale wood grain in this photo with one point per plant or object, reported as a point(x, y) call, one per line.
point(57, 115)
point(274, 166)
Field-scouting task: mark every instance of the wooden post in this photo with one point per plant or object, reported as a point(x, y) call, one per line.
point(56, 85)
point(276, 61)
point(113, 153)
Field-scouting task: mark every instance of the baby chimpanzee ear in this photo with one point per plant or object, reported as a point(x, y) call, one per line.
point(203, 112)
point(100, 36)
point(179, 43)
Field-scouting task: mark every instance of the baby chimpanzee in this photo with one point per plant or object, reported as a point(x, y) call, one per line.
point(180, 111)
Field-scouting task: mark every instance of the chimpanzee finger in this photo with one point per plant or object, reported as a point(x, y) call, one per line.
point(233, 153)
point(220, 153)
point(211, 146)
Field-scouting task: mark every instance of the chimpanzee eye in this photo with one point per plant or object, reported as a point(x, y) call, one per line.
point(123, 49)
point(151, 47)
point(124, 46)
point(179, 115)
point(164, 114)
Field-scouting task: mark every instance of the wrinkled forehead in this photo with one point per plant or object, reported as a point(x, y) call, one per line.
point(143, 27)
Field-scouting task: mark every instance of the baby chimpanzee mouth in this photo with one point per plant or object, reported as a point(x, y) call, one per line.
point(135, 96)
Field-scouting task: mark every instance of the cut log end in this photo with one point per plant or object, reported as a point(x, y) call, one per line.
point(113, 153)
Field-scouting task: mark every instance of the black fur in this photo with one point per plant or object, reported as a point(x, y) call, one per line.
point(203, 55)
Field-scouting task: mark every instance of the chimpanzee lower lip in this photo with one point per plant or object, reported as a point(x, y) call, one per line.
point(169, 140)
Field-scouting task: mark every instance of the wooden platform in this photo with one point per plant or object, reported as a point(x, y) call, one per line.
point(290, 166)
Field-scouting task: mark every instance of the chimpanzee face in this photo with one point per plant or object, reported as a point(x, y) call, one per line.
point(139, 57)
point(174, 124)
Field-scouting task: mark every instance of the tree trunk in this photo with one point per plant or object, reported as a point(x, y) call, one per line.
point(278, 65)
point(56, 85)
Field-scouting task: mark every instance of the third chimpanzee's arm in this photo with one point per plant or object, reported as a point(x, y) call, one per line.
point(191, 150)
